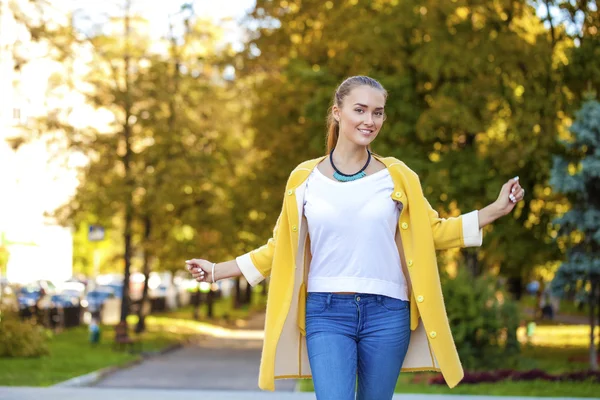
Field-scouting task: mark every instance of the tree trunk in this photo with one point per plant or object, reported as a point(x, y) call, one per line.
point(210, 296)
point(592, 303)
point(471, 261)
point(598, 321)
point(237, 294)
point(128, 177)
point(196, 300)
point(515, 286)
point(248, 294)
point(263, 285)
point(141, 325)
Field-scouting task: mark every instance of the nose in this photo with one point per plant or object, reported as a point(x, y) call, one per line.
point(369, 119)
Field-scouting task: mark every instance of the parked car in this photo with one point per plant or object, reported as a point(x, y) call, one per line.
point(33, 294)
point(94, 299)
point(64, 300)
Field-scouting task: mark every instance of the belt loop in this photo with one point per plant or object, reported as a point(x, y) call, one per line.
point(329, 295)
point(378, 299)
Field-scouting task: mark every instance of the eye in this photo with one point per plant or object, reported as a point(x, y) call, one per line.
point(379, 113)
point(358, 110)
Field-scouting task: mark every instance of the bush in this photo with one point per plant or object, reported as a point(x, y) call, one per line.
point(22, 338)
point(483, 319)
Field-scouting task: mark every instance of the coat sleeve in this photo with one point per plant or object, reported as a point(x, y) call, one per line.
point(461, 231)
point(256, 264)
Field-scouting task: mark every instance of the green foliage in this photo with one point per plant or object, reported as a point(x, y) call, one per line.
point(484, 321)
point(576, 174)
point(22, 338)
point(473, 100)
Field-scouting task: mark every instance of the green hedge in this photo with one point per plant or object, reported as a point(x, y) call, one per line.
point(22, 338)
point(483, 319)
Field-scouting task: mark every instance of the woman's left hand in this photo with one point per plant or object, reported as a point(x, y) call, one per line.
point(510, 194)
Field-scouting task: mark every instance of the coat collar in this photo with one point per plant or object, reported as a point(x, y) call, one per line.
point(396, 168)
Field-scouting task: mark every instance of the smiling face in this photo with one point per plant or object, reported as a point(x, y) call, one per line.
point(361, 115)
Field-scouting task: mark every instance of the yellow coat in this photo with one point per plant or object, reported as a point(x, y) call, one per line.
point(420, 232)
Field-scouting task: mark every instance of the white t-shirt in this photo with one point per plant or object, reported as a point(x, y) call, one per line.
point(352, 227)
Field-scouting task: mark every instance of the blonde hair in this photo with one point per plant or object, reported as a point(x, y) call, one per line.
point(333, 126)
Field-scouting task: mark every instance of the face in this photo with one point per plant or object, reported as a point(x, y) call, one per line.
point(361, 115)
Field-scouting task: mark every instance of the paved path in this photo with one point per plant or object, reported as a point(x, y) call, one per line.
point(52, 393)
point(210, 363)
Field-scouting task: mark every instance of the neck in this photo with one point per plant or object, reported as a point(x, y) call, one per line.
point(349, 155)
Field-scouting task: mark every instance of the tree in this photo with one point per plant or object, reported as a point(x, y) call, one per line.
point(576, 174)
point(474, 100)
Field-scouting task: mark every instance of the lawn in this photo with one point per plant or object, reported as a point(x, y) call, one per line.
point(552, 359)
point(72, 355)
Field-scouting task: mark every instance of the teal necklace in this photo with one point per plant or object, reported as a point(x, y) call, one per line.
point(347, 178)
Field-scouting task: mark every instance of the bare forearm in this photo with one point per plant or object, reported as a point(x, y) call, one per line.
point(489, 214)
point(227, 269)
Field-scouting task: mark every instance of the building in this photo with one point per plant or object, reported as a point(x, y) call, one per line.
point(32, 183)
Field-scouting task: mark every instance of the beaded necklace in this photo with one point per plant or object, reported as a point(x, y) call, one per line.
point(347, 178)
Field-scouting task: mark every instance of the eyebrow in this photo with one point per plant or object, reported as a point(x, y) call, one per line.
point(366, 106)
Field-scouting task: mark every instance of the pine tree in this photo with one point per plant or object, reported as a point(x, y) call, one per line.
point(577, 175)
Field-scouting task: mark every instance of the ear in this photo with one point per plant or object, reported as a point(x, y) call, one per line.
point(336, 113)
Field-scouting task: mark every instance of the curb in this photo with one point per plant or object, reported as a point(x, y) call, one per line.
point(93, 377)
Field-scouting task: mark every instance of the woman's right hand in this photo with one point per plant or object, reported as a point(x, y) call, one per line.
point(201, 270)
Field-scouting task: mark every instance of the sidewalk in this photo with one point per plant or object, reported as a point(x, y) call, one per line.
point(52, 393)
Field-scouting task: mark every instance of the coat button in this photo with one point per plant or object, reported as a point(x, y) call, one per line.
point(399, 194)
point(294, 228)
point(290, 192)
point(410, 263)
point(432, 334)
point(404, 225)
point(420, 299)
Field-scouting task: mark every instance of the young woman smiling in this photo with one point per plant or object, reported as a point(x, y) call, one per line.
point(355, 289)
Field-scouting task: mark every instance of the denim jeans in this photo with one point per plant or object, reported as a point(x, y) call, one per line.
point(356, 334)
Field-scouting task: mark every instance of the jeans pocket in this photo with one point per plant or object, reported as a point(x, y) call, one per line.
point(315, 304)
point(392, 304)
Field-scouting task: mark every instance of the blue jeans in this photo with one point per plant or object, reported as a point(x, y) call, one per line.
point(350, 334)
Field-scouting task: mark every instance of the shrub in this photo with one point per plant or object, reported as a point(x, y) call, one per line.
point(22, 338)
point(483, 319)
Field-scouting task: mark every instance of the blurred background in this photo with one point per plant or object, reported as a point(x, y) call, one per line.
point(135, 135)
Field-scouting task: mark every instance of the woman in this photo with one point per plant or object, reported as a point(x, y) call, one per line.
point(355, 287)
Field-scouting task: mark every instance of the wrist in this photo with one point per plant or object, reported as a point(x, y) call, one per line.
point(214, 267)
point(489, 214)
point(495, 210)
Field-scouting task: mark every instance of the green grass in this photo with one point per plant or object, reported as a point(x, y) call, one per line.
point(553, 360)
point(71, 355)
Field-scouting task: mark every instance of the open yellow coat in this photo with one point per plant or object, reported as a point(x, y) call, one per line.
point(286, 258)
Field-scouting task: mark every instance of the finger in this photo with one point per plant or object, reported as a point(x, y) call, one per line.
point(514, 182)
point(519, 195)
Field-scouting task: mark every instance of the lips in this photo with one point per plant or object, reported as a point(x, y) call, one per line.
point(366, 132)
